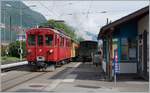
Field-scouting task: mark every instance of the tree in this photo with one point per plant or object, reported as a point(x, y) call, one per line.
point(64, 27)
point(3, 50)
point(80, 39)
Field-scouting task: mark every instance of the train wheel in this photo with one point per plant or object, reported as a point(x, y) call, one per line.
point(58, 64)
point(63, 62)
point(51, 68)
point(67, 61)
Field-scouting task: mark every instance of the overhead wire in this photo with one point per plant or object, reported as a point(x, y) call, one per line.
point(90, 5)
point(88, 11)
point(50, 11)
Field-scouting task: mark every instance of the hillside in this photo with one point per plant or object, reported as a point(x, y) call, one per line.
point(30, 18)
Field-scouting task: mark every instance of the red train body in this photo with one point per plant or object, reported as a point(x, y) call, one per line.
point(46, 46)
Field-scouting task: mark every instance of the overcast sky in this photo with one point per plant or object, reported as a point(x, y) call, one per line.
point(86, 15)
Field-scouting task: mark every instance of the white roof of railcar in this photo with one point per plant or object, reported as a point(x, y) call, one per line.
point(55, 30)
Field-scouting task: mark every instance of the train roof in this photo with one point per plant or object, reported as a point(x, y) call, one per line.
point(62, 33)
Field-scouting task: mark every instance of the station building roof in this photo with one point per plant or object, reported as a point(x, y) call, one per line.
point(135, 15)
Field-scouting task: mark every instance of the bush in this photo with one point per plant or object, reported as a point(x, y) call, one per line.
point(14, 47)
point(3, 50)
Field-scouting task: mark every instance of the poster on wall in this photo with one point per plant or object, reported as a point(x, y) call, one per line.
point(132, 52)
point(113, 48)
point(124, 53)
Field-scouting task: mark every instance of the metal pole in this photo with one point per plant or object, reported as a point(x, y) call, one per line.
point(107, 21)
point(10, 30)
point(115, 79)
point(4, 24)
point(21, 30)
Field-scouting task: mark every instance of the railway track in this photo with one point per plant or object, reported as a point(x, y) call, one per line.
point(21, 79)
point(20, 75)
point(15, 80)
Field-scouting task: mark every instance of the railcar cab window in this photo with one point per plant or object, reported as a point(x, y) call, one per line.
point(49, 39)
point(40, 40)
point(31, 39)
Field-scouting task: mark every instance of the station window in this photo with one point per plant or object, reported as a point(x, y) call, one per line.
point(31, 39)
point(40, 40)
point(49, 39)
point(128, 49)
point(124, 49)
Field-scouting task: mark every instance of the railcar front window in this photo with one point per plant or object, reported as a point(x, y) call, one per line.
point(40, 40)
point(31, 39)
point(49, 39)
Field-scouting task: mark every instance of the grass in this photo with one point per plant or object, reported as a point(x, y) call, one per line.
point(9, 59)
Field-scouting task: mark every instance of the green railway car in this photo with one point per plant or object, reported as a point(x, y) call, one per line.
point(86, 49)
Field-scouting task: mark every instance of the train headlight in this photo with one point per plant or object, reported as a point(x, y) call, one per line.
point(29, 50)
point(51, 51)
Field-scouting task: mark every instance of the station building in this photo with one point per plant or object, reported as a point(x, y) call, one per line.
point(129, 36)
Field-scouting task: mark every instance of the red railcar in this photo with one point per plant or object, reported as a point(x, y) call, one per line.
point(47, 47)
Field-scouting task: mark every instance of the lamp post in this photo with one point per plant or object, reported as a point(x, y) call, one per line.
point(8, 5)
point(21, 30)
point(5, 25)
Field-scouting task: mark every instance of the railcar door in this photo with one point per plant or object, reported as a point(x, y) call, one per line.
point(56, 54)
point(49, 50)
point(40, 49)
point(31, 47)
point(58, 48)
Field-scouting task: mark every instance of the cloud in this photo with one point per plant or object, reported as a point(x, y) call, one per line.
point(75, 12)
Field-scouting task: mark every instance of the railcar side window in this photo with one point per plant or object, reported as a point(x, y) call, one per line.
point(68, 43)
point(61, 41)
point(40, 40)
point(31, 39)
point(56, 40)
point(49, 39)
